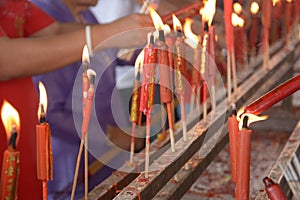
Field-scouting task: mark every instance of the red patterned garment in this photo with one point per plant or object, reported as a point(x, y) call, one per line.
point(20, 18)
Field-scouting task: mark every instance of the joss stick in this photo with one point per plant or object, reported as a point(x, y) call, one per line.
point(212, 67)
point(165, 82)
point(147, 92)
point(135, 104)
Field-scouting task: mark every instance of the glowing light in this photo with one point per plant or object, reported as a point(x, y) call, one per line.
point(176, 23)
point(237, 8)
point(85, 55)
point(191, 39)
point(237, 21)
point(43, 99)
point(157, 21)
point(91, 72)
point(275, 2)
point(251, 118)
point(254, 7)
point(209, 11)
point(289, 1)
point(138, 63)
point(10, 118)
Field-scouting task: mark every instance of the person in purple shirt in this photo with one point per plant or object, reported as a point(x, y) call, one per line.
point(64, 112)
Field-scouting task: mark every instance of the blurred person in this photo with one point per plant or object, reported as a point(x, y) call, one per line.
point(22, 57)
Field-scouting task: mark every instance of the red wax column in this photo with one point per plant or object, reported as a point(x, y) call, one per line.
point(253, 35)
point(243, 163)
point(10, 170)
point(85, 79)
point(233, 130)
point(44, 152)
point(273, 190)
point(266, 22)
point(228, 25)
point(180, 74)
point(240, 44)
point(288, 20)
point(147, 93)
point(88, 107)
point(276, 19)
point(274, 96)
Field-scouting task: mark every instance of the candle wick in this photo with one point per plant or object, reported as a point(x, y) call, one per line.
point(179, 33)
point(42, 116)
point(245, 122)
point(161, 36)
point(13, 138)
point(233, 110)
point(206, 26)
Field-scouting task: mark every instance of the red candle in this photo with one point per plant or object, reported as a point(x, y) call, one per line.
point(228, 25)
point(10, 165)
point(89, 102)
point(273, 190)
point(243, 163)
point(10, 172)
point(148, 79)
point(266, 22)
point(85, 79)
point(274, 96)
point(233, 129)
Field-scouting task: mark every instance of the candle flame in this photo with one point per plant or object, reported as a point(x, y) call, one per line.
point(43, 99)
point(91, 72)
point(157, 21)
point(10, 118)
point(85, 55)
point(251, 118)
point(237, 8)
point(275, 2)
point(176, 23)
point(254, 7)
point(138, 63)
point(236, 20)
point(191, 39)
point(209, 11)
point(289, 1)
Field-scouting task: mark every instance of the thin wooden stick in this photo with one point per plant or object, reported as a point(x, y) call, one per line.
point(234, 76)
point(86, 166)
point(147, 160)
point(183, 116)
point(132, 143)
point(45, 190)
point(77, 169)
point(228, 76)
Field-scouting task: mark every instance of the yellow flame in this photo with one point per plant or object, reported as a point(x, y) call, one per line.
point(139, 62)
point(85, 55)
point(254, 7)
point(237, 8)
point(158, 23)
point(10, 118)
point(209, 11)
point(251, 118)
point(289, 1)
point(216, 37)
point(176, 23)
point(43, 98)
point(237, 21)
point(191, 39)
point(275, 2)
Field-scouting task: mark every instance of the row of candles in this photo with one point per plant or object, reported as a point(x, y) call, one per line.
point(11, 158)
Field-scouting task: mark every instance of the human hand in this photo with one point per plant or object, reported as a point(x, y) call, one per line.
point(130, 31)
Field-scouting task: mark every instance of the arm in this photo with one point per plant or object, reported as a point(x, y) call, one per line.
point(33, 56)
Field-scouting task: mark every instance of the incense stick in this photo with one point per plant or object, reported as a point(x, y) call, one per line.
point(76, 170)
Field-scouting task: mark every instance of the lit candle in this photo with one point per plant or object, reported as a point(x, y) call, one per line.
point(253, 31)
point(193, 41)
point(239, 32)
point(135, 103)
point(44, 146)
point(147, 93)
point(274, 96)
point(243, 156)
point(10, 164)
point(180, 70)
point(233, 130)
